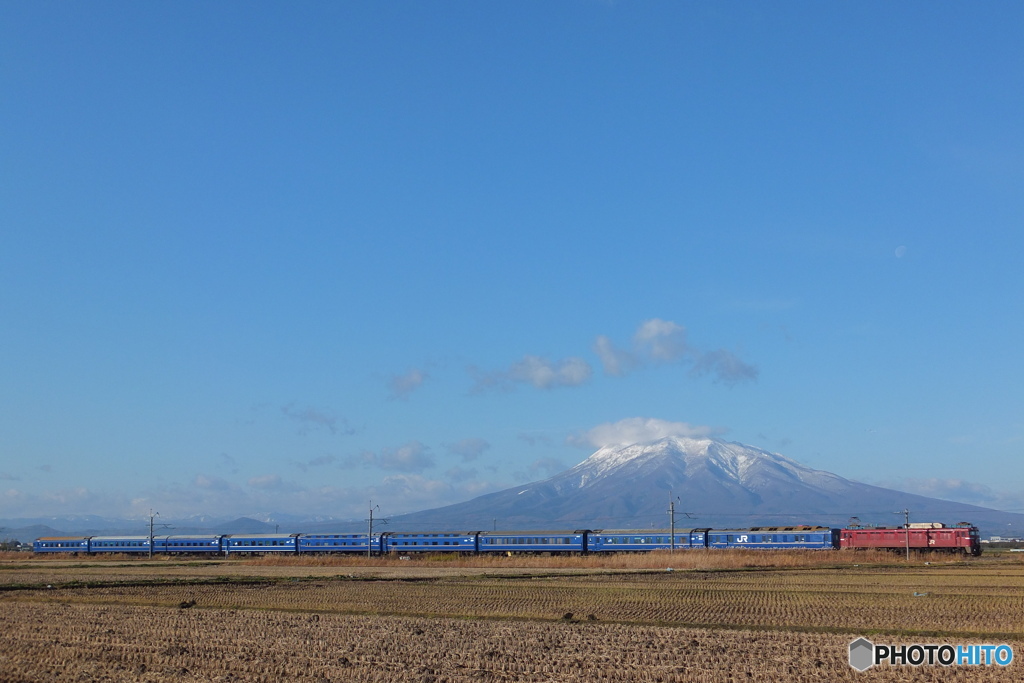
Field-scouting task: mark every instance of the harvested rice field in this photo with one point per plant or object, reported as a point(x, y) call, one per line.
point(136, 620)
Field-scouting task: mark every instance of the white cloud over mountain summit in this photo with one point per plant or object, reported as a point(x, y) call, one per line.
point(639, 430)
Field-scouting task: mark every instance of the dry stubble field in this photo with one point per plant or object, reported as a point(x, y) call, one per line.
point(715, 617)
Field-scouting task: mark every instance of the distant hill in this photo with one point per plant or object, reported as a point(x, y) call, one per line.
point(722, 484)
point(29, 529)
point(28, 534)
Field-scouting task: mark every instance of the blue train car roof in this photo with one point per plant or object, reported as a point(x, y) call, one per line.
point(429, 533)
point(643, 532)
point(556, 532)
point(261, 535)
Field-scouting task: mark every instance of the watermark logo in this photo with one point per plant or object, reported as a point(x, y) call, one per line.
point(864, 654)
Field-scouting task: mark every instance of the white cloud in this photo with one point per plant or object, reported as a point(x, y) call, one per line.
point(400, 386)
point(638, 430)
point(468, 449)
point(410, 457)
point(662, 340)
point(544, 374)
point(536, 371)
point(658, 341)
point(655, 342)
point(615, 361)
point(725, 366)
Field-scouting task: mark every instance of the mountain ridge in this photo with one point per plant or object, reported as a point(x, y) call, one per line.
point(721, 483)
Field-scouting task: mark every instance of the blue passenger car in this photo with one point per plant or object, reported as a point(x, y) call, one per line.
point(338, 543)
point(533, 541)
point(119, 544)
point(260, 543)
point(430, 541)
point(61, 544)
point(187, 544)
point(642, 540)
point(776, 538)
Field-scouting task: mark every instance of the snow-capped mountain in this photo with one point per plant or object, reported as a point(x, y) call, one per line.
point(713, 483)
point(681, 458)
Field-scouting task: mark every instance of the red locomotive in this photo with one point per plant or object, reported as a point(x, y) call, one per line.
point(963, 538)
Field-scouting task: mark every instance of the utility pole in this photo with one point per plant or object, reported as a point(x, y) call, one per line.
point(672, 521)
point(151, 516)
point(906, 528)
point(369, 535)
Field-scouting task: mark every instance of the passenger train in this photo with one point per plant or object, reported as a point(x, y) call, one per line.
point(932, 536)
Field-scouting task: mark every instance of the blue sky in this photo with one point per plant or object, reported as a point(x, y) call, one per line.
point(264, 258)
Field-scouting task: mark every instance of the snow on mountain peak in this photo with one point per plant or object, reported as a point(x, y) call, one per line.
point(746, 465)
